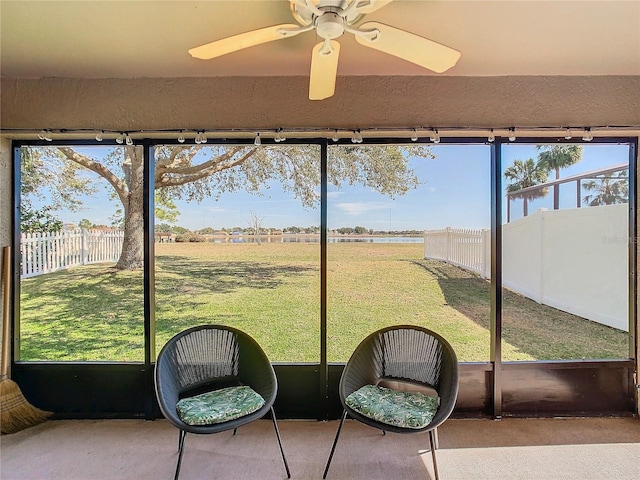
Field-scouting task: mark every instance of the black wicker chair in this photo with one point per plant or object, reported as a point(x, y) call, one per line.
point(408, 358)
point(211, 357)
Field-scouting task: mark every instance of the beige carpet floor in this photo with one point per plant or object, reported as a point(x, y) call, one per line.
point(509, 449)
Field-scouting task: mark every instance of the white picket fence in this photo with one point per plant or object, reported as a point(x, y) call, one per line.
point(464, 247)
point(52, 251)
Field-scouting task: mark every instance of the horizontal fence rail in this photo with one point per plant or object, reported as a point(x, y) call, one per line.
point(48, 252)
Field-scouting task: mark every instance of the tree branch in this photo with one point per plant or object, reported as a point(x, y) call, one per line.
point(100, 169)
point(166, 163)
point(182, 176)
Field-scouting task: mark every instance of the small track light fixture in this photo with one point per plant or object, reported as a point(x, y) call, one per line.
point(200, 137)
point(435, 136)
point(99, 136)
point(567, 134)
point(120, 138)
point(257, 140)
point(414, 137)
point(181, 136)
point(491, 137)
point(128, 140)
point(335, 136)
point(587, 136)
point(512, 134)
point(279, 136)
point(45, 135)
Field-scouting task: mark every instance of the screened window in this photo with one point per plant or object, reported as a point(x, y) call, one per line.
point(565, 243)
point(240, 245)
point(81, 234)
point(408, 235)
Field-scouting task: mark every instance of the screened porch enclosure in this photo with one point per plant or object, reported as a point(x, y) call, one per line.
point(309, 277)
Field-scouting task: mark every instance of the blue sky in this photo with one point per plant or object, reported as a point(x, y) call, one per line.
point(454, 191)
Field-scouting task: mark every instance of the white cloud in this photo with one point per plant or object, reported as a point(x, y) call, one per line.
point(358, 208)
point(215, 209)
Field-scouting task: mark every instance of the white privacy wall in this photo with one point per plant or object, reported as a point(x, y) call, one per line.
point(575, 260)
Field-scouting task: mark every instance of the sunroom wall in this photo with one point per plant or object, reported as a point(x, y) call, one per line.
point(359, 102)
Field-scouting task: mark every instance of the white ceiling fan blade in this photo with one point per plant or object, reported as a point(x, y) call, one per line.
point(238, 42)
point(408, 46)
point(324, 69)
point(377, 5)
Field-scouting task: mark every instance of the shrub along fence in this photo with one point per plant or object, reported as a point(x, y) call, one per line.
point(51, 251)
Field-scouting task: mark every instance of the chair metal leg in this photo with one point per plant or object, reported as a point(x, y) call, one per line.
point(335, 442)
point(235, 431)
point(181, 438)
point(435, 433)
point(275, 426)
point(432, 441)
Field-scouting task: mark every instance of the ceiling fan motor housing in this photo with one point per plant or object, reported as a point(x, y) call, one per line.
point(329, 26)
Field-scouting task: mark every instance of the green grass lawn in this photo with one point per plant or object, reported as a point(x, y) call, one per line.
point(272, 291)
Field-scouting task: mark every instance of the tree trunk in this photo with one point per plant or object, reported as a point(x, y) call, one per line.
point(132, 254)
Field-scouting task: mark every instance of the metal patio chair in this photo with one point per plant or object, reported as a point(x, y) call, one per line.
point(405, 358)
point(209, 358)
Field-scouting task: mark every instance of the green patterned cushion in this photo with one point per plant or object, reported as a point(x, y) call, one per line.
point(394, 407)
point(219, 406)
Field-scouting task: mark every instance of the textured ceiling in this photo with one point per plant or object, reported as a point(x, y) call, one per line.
point(128, 39)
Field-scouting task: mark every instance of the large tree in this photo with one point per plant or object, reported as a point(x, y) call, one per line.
point(556, 157)
point(196, 172)
point(523, 174)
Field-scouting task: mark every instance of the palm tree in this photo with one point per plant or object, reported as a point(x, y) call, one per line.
point(556, 157)
point(608, 190)
point(523, 174)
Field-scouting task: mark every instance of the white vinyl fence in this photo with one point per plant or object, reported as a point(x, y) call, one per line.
point(574, 260)
point(51, 251)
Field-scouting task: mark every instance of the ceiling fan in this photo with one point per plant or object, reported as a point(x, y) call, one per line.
point(331, 19)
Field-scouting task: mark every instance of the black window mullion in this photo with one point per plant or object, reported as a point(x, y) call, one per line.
point(496, 276)
point(149, 275)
